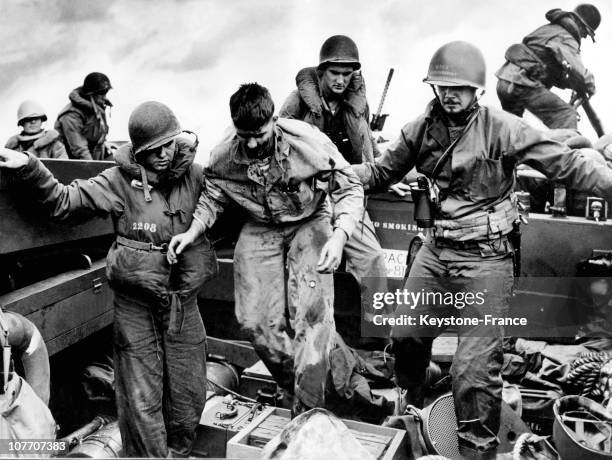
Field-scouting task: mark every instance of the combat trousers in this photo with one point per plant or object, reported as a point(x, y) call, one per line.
point(160, 376)
point(365, 260)
point(476, 368)
point(543, 103)
point(275, 267)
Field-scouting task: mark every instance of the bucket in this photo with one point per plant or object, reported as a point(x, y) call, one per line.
point(104, 443)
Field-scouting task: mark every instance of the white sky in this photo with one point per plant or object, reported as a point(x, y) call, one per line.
point(193, 54)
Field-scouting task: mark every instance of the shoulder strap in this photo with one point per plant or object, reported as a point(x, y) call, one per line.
point(446, 155)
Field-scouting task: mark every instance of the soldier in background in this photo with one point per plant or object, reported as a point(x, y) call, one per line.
point(82, 123)
point(332, 97)
point(547, 57)
point(33, 138)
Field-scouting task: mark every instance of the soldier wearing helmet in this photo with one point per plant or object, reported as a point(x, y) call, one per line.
point(467, 154)
point(33, 138)
point(332, 97)
point(549, 56)
point(160, 341)
point(82, 123)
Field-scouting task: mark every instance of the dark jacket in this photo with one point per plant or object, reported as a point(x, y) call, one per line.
point(539, 59)
point(83, 128)
point(46, 144)
point(306, 104)
point(119, 191)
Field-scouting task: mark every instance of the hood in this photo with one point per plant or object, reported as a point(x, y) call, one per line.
point(354, 97)
point(184, 155)
point(84, 104)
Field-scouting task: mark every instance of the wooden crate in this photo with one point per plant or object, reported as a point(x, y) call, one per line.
point(384, 443)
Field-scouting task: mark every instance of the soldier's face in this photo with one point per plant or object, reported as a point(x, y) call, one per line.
point(258, 143)
point(336, 78)
point(32, 125)
point(159, 159)
point(455, 99)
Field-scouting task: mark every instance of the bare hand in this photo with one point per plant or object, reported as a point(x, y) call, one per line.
point(400, 188)
point(12, 159)
point(177, 244)
point(331, 254)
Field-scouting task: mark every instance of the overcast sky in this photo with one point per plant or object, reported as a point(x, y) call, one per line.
point(193, 54)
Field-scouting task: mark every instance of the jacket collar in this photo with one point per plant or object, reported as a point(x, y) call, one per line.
point(182, 161)
point(437, 125)
point(81, 102)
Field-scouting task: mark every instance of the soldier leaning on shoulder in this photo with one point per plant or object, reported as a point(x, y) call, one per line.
point(272, 168)
point(82, 123)
point(549, 56)
point(468, 152)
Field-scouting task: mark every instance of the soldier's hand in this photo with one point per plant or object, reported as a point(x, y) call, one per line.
point(400, 188)
point(590, 84)
point(12, 159)
point(177, 244)
point(331, 254)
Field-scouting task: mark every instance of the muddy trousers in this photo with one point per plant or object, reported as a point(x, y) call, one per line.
point(365, 260)
point(476, 368)
point(160, 376)
point(543, 103)
point(274, 268)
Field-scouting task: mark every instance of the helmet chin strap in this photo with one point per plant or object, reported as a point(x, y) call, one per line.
point(470, 108)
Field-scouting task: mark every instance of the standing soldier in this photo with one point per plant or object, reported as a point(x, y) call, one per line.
point(547, 57)
point(288, 247)
point(159, 337)
point(332, 98)
point(33, 138)
point(468, 154)
point(82, 123)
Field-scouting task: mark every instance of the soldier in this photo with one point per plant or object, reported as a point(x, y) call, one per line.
point(332, 98)
point(40, 142)
point(468, 153)
point(82, 123)
point(288, 247)
point(160, 341)
point(547, 57)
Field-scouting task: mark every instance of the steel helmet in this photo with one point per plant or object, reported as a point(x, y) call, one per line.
point(341, 50)
point(580, 428)
point(589, 16)
point(152, 124)
point(457, 64)
point(30, 109)
point(96, 82)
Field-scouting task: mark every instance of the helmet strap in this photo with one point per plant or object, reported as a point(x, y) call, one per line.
point(463, 116)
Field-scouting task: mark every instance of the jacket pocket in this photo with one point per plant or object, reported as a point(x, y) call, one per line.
point(134, 270)
point(487, 179)
point(195, 266)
